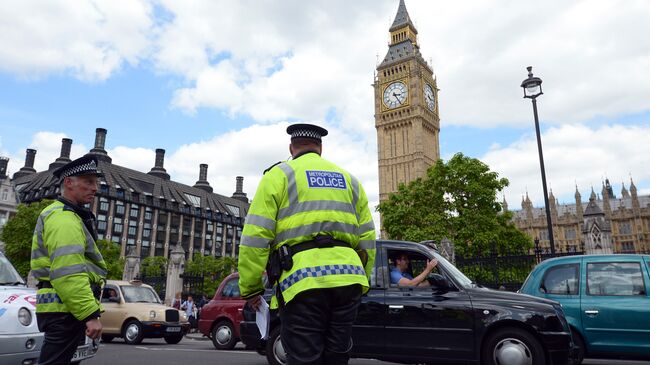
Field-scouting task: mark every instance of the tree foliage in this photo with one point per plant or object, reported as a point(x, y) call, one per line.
point(111, 253)
point(457, 200)
point(18, 232)
point(153, 266)
point(213, 270)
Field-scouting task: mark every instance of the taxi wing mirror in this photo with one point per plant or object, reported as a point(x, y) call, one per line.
point(439, 283)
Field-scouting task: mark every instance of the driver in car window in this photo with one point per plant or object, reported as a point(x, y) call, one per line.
point(399, 273)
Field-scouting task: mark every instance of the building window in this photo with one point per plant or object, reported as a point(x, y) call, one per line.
point(135, 209)
point(625, 228)
point(133, 227)
point(570, 233)
point(543, 235)
point(5, 194)
point(117, 226)
point(119, 208)
point(233, 209)
point(193, 199)
point(103, 204)
point(627, 247)
point(148, 214)
point(101, 223)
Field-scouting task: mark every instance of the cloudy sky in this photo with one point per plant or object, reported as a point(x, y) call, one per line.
point(217, 82)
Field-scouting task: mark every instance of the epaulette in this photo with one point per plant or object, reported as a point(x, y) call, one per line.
point(272, 166)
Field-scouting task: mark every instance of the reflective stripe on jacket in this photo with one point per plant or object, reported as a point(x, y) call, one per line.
point(65, 254)
point(296, 201)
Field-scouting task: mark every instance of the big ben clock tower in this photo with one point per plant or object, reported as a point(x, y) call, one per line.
point(406, 109)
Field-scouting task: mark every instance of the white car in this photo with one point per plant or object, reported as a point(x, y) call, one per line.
point(20, 339)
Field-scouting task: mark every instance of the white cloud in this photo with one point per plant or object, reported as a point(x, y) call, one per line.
point(573, 154)
point(88, 39)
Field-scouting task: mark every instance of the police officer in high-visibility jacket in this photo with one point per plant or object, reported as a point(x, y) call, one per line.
point(68, 265)
point(314, 217)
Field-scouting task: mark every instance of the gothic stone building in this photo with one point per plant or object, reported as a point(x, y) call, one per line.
point(8, 201)
point(148, 213)
point(605, 224)
point(406, 109)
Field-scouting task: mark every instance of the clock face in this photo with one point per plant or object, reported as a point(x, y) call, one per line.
point(429, 97)
point(395, 95)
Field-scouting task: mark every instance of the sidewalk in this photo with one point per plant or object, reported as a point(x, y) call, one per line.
point(197, 336)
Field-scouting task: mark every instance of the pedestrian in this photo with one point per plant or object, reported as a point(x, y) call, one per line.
point(176, 302)
point(68, 265)
point(190, 311)
point(316, 215)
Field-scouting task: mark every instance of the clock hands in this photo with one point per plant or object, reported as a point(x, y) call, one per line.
point(397, 97)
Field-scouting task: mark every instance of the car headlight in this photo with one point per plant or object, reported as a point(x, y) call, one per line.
point(24, 316)
point(152, 314)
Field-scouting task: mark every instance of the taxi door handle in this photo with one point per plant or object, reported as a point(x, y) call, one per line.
point(395, 306)
point(591, 312)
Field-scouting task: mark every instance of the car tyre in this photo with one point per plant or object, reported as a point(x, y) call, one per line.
point(172, 340)
point(275, 354)
point(107, 338)
point(223, 336)
point(580, 344)
point(133, 332)
point(512, 346)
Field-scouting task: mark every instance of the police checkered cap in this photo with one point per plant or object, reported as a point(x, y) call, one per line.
point(306, 131)
point(86, 165)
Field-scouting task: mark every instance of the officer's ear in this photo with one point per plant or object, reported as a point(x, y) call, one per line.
point(291, 149)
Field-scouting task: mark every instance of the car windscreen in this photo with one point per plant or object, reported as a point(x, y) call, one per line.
point(456, 274)
point(139, 294)
point(9, 275)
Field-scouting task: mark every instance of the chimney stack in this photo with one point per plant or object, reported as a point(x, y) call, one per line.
point(30, 155)
point(64, 158)
point(4, 162)
point(158, 169)
point(100, 141)
point(203, 183)
point(239, 190)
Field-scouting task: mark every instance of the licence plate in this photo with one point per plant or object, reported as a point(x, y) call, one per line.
point(173, 329)
point(80, 354)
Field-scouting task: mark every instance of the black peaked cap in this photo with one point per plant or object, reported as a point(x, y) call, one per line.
point(303, 130)
point(85, 165)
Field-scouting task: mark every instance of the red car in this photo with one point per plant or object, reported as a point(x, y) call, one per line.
point(219, 319)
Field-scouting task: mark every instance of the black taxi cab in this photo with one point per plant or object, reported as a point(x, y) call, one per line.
point(450, 321)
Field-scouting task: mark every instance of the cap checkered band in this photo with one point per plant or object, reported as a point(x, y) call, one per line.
point(84, 169)
point(306, 133)
point(48, 298)
point(318, 271)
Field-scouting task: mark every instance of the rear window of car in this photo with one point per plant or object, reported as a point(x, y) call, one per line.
point(561, 280)
point(615, 278)
point(231, 289)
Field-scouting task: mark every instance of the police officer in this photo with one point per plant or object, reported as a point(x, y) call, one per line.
point(315, 217)
point(68, 265)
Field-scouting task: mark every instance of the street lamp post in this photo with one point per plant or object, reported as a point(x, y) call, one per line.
point(532, 89)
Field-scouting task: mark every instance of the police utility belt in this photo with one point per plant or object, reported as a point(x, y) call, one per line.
point(282, 258)
point(96, 288)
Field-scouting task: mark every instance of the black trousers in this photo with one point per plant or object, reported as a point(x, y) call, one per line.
point(63, 333)
point(317, 325)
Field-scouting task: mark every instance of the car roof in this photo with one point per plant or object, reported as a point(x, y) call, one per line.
point(124, 282)
point(593, 257)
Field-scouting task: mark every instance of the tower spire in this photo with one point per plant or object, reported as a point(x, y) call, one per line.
point(402, 18)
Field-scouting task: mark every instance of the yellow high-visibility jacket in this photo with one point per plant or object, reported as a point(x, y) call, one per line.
point(296, 201)
point(64, 253)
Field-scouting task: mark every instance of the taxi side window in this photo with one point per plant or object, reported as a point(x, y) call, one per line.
point(615, 278)
point(561, 280)
point(417, 264)
point(109, 292)
point(231, 289)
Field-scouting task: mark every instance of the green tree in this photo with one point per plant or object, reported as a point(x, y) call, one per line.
point(18, 232)
point(153, 266)
point(457, 200)
point(111, 254)
point(213, 270)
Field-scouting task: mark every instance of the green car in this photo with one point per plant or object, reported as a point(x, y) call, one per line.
point(605, 300)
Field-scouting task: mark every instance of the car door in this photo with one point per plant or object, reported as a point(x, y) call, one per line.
point(368, 328)
point(561, 282)
point(114, 313)
point(615, 304)
point(424, 323)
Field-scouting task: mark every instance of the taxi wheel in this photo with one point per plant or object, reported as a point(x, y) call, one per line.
point(580, 344)
point(512, 346)
point(275, 354)
point(223, 336)
point(172, 340)
point(133, 332)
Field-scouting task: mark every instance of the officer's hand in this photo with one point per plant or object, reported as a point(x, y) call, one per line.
point(94, 328)
point(255, 302)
